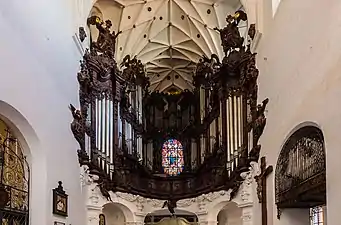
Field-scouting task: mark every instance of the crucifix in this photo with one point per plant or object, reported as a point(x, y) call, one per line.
point(261, 188)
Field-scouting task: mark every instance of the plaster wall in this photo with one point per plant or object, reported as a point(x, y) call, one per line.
point(299, 62)
point(39, 61)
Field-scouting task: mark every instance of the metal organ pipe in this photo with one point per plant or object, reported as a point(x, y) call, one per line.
point(104, 121)
point(87, 137)
point(139, 116)
point(234, 130)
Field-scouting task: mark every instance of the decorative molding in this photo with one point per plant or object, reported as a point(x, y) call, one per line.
point(247, 217)
point(94, 196)
point(256, 41)
point(78, 44)
point(93, 218)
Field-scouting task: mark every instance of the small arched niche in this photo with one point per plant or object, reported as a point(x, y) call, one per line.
point(160, 216)
point(230, 214)
point(300, 177)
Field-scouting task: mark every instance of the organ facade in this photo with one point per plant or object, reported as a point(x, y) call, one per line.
point(169, 145)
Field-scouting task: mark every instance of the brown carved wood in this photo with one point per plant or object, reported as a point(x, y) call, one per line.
point(109, 128)
point(261, 188)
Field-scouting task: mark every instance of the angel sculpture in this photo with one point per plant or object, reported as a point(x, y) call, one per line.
point(171, 205)
point(77, 127)
point(103, 188)
point(229, 35)
point(106, 41)
point(260, 120)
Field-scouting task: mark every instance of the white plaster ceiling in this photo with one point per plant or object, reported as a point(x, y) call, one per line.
point(168, 36)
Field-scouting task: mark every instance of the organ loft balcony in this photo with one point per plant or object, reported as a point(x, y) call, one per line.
point(171, 144)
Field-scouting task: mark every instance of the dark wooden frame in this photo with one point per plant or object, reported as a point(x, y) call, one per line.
point(59, 192)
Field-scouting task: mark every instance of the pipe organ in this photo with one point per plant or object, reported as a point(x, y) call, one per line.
point(172, 145)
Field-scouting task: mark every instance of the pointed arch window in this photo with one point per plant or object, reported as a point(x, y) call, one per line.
point(172, 157)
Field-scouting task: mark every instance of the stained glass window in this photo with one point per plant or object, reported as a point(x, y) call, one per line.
point(317, 215)
point(172, 157)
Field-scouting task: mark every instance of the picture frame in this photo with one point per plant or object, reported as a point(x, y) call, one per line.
point(60, 201)
point(58, 223)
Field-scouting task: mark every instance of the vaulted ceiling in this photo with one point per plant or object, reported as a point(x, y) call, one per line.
point(168, 36)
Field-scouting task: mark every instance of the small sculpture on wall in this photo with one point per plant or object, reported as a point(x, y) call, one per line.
point(60, 201)
point(106, 41)
point(103, 187)
point(77, 126)
point(260, 120)
point(81, 34)
point(171, 205)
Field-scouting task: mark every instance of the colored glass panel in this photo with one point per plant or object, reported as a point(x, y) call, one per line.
point(172, 157)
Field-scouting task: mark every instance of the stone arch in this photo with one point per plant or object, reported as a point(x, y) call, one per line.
point(35, 156)
point(157, 216)
point(215, 209)
point(117, 209)
point(297, 127)
point(300, 175)
point(230, 214)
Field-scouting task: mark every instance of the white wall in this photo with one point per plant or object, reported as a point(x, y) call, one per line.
point(300, 65)
point(39, 61)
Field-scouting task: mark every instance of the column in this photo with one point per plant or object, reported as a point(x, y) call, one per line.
point(93, 215)
point(295, 217)
point(207, 222)
point(247, 215)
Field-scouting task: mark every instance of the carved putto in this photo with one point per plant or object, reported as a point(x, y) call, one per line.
point(133, 71)
point(77, 127)
point(260, 121)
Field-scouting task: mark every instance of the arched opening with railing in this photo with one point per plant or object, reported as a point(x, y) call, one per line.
point(300, 179)
point(14, 179)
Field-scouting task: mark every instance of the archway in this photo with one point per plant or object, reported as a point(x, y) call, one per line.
point(230, 214)
point(35, 156)
point(116, 214)
point(155, 217)
point(300, 177)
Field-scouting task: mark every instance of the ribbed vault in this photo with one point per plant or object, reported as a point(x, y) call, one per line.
point(168, 36)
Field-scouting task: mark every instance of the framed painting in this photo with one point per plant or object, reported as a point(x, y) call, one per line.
point(60, 201)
